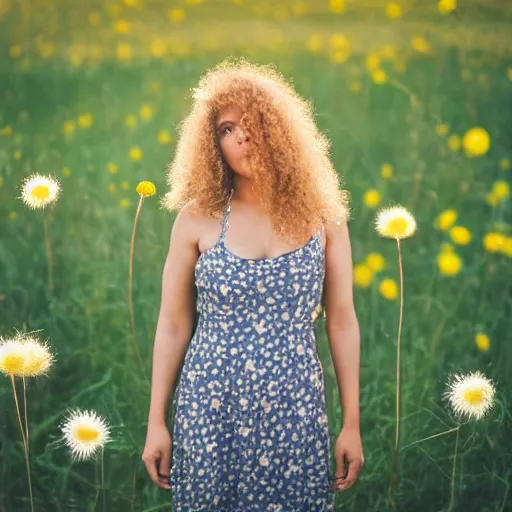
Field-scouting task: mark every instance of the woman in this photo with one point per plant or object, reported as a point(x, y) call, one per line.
point(250, 427)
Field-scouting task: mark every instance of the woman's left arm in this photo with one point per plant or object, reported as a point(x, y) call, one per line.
point(342, 329)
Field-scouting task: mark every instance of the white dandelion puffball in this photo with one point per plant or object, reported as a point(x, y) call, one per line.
point(84, 432)
point(39, 191)
point(470, 395)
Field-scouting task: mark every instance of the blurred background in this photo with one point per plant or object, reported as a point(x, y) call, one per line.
point(416, 99)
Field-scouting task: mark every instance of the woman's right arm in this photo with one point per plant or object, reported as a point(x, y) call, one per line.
point(174, 327)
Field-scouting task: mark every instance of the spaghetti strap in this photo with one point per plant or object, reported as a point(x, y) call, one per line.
point(225, 221)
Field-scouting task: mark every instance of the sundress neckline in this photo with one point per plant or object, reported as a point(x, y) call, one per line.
point(221, 243)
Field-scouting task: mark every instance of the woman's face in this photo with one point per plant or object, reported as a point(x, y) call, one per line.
point(234, 141)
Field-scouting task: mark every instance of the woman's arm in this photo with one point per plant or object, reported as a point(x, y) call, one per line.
point(343, 332)
point(342, 326)
point(177, 312)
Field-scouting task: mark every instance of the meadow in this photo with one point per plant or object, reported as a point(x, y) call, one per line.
point(93, 95)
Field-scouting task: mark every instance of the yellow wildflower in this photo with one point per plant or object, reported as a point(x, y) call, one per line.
point(379, 76)
point(39, 191)
point(454, 142)
point(460, 235)
point(68, 127)
point(446, 219)
point(337, 6)
point(85, 121)
point(371, 198)
point(130, 121)
point(447, 6)
point(476, 142)
point(449, 263)
point(135, 154)
point(164, 137)
point(125, 203)
point(493, 242)
point(442, 129)
point(504, 164)
point(482, 341)
point(176, 15)
point(363, 275)
point(501, 189)
point(386, 171)
point(146, 189)
point(121, 27)
point(393, 11)
point(112, 167)
point(388, 289)
point(146, 112)
point(375, 261)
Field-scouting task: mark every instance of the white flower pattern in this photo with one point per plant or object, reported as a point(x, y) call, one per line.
point(250, 428)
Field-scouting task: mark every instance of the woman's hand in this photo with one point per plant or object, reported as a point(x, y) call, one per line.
point(348, 453)
point(157, 454)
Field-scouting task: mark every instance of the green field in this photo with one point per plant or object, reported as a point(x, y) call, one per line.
point(83, 87)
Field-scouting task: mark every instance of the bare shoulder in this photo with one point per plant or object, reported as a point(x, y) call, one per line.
point(187, 227)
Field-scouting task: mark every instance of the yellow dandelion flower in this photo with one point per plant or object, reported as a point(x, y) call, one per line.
point(371, 198)
point(476, 142)
point(38, 358)
point(158, 48)
point(386, 171)
point(12, 215)
point(442, 129)
point(146, 189)
point(84, 432)
point(314, 43)
point(492, 198)
point(493, 242)
point(460, 235)
point(482, 341)
point(124, 51)
point(420, 44)
point(164, 137)
point(388, 289)
point(17, 154)
point(12, 357)
point(337, 6)
point(470, 395)
point(393, 11)
point(121, 27)
point(112, 167)
point(449, 263)
point(125, 203)
point(372, 61)
point(85, 121)
point(509, 73)
point(6, 130)
point(111, 187)
point(454, 142)
point(135, 154)
point(176, 15)
point(363, 275)
point(375, 261)
point(130, 121)
point(66, 171)
point(15, 51)
point(446, 219)
point(501, 190)
point(68, 127)
point(379, 76)
point(507, 246)
point(300, 8)
point(39, 191)
point(146, 112)
point(504, 164)
point(395, 222)
point(125, 185)
point(447, 6)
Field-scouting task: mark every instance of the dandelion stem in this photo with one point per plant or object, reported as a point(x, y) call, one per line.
point(452, 485)
point(48, 250)
point(103, 480)
point(394, 463)
point(25, 413)
point(130, 290)
point(25, 443)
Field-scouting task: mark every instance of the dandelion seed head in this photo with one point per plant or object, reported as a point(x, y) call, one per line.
point(470, 395)
point(12, 357)
point(39, 191)
point(395, 222)
point(39, 359)
point(84, 432)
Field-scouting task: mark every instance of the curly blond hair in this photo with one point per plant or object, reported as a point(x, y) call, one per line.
point(294, 177)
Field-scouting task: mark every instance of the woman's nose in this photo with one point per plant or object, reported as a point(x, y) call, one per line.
point(241, 135)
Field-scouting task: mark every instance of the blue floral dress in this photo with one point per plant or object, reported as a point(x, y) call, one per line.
point(250, 426)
